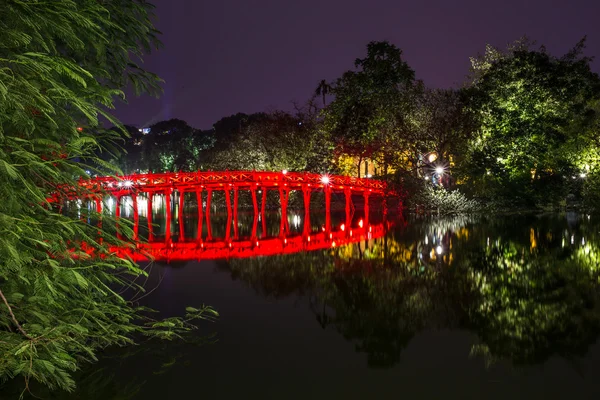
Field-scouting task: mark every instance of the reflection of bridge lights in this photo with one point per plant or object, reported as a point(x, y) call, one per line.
point(325, 179)
point(360, 223)
point(439, 250)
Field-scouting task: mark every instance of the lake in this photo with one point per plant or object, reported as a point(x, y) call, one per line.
point(433, 307)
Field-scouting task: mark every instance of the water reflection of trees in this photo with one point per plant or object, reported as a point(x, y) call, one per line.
point(526, 286)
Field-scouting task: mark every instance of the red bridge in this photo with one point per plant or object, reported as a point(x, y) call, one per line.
point(174, 186)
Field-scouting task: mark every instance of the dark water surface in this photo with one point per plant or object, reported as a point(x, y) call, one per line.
point(454, 308)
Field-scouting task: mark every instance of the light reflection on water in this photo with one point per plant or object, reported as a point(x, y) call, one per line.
point(501, 307)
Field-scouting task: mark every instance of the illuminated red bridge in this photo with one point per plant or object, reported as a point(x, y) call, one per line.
point(172, 187)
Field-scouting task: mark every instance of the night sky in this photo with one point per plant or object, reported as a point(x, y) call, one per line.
point(221, 57)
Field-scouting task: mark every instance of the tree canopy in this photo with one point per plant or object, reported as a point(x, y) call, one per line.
point(62, 66)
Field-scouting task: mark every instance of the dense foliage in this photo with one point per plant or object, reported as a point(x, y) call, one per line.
point(62, 64)
point(537, 126)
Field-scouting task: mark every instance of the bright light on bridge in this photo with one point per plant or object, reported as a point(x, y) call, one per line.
point(325, 179)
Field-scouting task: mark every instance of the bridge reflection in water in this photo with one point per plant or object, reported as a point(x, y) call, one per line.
point(172, 198)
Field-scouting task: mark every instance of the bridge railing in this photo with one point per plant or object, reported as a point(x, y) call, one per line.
point(238, 179)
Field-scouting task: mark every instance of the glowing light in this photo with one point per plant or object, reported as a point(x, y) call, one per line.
point(284, 171)
point(325, 179)
point(582, 175)
point(360, 223)
point(439, 250)
point(432, 157)
point(332, 244)
point(79, 128)
point(369, 176)
point(128, 183)
point(343, 227)
point(439, 170)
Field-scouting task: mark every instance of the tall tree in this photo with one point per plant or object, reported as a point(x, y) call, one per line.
point(534, 112)
point(323, 89)
point(62, 64)
point(370, 104)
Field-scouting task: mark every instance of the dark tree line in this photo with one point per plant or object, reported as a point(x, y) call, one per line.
point(523, 131)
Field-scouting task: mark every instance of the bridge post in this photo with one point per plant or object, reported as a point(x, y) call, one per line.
point(327, 208)
point(306, 195)
point(348, 195)
point(150, 196)
point(255, 206)
point(118, 213)
point(235, 213)
point(199, 201)
point(99, 211)
point(228, 201)
point(263, 207)
point(180, 221)
point(208, 227)
point(168, 212)
point(136, 217)
point(283, 213)
point(366, 196)
point(98, 204)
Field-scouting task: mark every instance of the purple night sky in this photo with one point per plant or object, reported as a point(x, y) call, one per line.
point(221, 57)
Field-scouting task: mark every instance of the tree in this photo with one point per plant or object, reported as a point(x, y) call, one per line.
point(323, 89)
point(534, 114)
point(366, 117)
point(267, 141)
point(62, 65)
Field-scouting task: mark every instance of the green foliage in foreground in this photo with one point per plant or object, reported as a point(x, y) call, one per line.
point(62, 63)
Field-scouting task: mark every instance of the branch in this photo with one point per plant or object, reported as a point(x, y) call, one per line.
point(19, 327)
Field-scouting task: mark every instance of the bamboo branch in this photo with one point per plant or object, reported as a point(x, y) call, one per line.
point(19, 327)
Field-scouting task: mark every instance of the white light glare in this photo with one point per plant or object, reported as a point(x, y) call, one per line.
point(439, 250)
point(128, 183)
point(582, 175)
point(325, 179)
point(439, 170)
point(284, 171)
